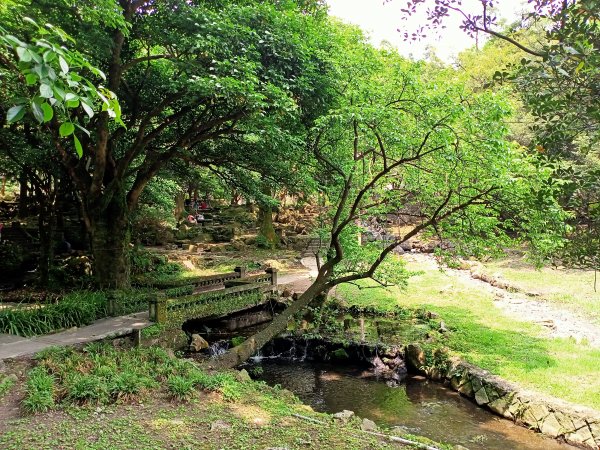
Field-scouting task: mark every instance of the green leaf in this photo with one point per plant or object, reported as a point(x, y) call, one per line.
point(37, 112)
point(15, 113)
point(66, 129)
point(31, 78)
point(46, 90)
point(87, 108)
point(86, 131)
point(48, 112)
point(63, 64)
point(24, 54)
point(78, 147)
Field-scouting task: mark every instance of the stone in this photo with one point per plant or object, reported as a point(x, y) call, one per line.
point(243, 376)
point(551, 426)
point(2, 365)
point(286, 293)
point(368, 425)
point(501, 407)
point(344, 415)
point(535, 414)
point(198, 343)
point(415, 357)
point(476, 383)
point(443, 328)
point(466, 389)
point(481, 397)
point(192, 248)
point(219, 425)
point(582, 436)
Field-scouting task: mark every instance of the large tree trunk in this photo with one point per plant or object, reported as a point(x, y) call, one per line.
point(110, 236)
point(265, 223)
point(46, 227)
point(253, 344)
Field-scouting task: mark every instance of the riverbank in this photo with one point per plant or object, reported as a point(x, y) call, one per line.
point(90, 401)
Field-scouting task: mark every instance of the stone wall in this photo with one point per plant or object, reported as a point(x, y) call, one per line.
point(575, 424)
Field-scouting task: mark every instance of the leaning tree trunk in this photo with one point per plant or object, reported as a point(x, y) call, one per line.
point(253, 344)
point(110, 233)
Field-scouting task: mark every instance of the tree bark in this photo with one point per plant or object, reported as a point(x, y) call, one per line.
point(253, 344)
point(110, 236)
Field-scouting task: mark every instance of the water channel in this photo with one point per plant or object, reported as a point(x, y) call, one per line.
point(417, 406)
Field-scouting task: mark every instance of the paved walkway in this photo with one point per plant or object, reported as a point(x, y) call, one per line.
point(14, 346)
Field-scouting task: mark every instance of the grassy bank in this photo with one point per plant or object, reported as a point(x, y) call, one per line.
point(572, 289)
point(481, 334)
point(103, 398)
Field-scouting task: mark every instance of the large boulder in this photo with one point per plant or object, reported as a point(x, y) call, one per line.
point(198, 343)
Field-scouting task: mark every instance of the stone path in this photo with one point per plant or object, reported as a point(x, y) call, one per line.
point(558, 322)
point(15, 346)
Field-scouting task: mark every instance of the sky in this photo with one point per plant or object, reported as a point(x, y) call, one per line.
point(382, 21)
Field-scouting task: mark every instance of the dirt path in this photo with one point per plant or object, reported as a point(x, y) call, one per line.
point(558, 322)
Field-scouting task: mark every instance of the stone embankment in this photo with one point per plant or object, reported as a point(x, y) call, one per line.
point(574, 424)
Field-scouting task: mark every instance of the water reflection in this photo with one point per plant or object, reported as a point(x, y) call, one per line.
point(418, 407)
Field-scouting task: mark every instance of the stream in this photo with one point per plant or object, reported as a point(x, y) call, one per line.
point(416, 406)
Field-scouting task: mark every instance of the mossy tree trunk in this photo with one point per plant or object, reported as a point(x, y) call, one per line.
point(110, 233)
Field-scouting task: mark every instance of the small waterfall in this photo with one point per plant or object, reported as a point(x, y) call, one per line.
point(218, 348)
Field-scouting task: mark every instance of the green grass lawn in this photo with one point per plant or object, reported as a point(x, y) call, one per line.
point(517, 351)
point(573, 289)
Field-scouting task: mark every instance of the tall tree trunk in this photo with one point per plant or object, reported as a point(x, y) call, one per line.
point(265, 223)
point(179, 206)
point(23, 199)
point(46, 227)
point(253, 344)
point(110, 236)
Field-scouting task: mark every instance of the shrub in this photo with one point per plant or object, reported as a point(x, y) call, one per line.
point(86, 388)
point(180, 387)
point(39, 393)
point(11, 256)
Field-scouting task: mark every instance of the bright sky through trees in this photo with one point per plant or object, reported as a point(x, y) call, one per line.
point(382, 22)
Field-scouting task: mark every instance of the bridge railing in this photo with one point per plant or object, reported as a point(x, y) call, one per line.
point(250, 291)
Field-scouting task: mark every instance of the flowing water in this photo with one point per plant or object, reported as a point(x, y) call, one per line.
point(417, 406)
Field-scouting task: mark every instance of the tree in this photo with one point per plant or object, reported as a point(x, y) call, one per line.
point(187, 74)
point(397, 143)
point(557, 79)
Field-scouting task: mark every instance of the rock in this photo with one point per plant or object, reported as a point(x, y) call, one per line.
point(344, 415)
point(443, 328)
point(243, 376)
point(415, 357)
point(286, 293)
point(219, 425)
point(368, 425)
point(551, 426)
point(192, 248)
point(2, 365)
point(431, 315)
point(481, 397)
point(198, 343)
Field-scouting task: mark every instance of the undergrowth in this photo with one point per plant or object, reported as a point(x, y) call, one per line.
point(103, 375)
